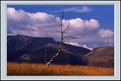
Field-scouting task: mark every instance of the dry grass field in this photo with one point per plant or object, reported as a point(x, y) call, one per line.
point(39, 69)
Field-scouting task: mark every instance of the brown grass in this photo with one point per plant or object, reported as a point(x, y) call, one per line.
point(39, 69)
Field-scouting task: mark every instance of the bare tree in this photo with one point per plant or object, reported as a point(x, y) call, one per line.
point(45, 56)
point(62, 37)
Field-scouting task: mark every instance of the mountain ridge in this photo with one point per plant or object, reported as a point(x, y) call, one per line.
point(20, 47)
point(32, 50)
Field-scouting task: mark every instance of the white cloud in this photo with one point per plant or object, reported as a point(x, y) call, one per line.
point(76, 9)
point(41, 17)
point(16, 15)
point(37, 24)
point(41, 22)
point(105, 33)
point(92, 23)
point(78, 23)
point(72, 43)
point(88, 24)
point(85, 46)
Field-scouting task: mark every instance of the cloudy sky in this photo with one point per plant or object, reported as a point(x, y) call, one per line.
point(90, 25)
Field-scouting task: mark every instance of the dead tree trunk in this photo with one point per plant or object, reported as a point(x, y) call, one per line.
point(62, 37)
point(45, 56)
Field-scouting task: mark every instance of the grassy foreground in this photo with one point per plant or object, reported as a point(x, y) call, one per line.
point(39, 69)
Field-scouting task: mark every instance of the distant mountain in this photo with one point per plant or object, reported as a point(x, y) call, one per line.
point(32, 49)
point(101, 56)
point(20, 44)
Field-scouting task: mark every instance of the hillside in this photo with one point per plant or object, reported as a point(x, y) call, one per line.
point(101, 56)
point(32, 49)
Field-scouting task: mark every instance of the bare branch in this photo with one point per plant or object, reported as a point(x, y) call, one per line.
point(66, 29)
